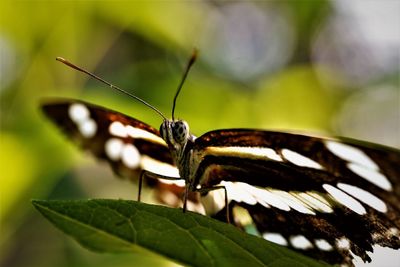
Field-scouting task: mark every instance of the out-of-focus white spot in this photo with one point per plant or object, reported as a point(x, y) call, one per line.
point(300, 160)
point(178, 182)
point(373, 176)
point(78, 112)
point(87, 128)
point(155, 166)
point(351, 154)
point(300, 242)
point(248, 152)
point(276, 238)
point(195, 207)
point(381, 103)
point(118, 129)
point(113, 148)
point(242, 216)
point(214, 201)
point(322, 244)
point(231, 30)
point(364, 196)
point(345, 199)
point(130, 156)
point(169, 198)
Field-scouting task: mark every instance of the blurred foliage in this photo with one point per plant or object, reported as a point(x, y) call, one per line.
point(298, 65)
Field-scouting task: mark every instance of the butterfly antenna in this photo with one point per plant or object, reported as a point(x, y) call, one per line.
point(69, 64)
point(188, 66)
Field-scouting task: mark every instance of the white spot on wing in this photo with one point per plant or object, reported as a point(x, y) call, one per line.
point(252, 152)
point(87, 128)
point(373, 176)
point(276, 238)
point(265, 197)
point(143, 134)
point(78, 112)
point(152, 165)
point(118, 129)
point(314, 202)
point(343, 243)
point(300, 160)
point(130, 156)
point(351, 154)
point(345, 199)
point(319, 197)
point(393, 232)
point(242, 192)
point(293, 202)
point(239, 192)
point(322, 244)
point(364, 196)
point(300, 242)
point(113, 148)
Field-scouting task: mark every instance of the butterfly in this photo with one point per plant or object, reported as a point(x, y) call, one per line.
point(328, 198)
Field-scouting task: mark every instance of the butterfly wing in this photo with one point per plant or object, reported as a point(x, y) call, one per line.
point(322, 197)
point(127, 144)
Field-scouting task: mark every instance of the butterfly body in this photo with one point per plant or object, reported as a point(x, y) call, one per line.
point(324, 197)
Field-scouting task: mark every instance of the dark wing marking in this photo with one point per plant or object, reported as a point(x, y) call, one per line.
point(281, 163)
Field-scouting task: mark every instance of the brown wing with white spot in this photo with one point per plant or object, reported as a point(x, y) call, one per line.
point(127, 144)
point(322, 197)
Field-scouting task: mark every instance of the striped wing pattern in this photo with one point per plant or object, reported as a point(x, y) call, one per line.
point(322, 197)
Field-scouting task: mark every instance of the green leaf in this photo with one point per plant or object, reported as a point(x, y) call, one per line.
point(187, 238)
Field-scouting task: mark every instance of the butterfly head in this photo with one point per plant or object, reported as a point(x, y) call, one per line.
point(175, 133)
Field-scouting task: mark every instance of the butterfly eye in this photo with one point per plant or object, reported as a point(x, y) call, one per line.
point(180, 131)
point(163, 131)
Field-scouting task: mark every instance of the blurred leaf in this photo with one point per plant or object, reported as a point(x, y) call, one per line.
point(15, 180)
point(188, 238)
point(159, 21)
point(296, 99)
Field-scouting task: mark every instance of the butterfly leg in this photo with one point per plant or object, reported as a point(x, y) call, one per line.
point(147, 174)
point(185, 197)
point(206, 190)
point(142, 174)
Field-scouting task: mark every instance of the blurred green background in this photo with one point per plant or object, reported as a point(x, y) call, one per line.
point(328, 67)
